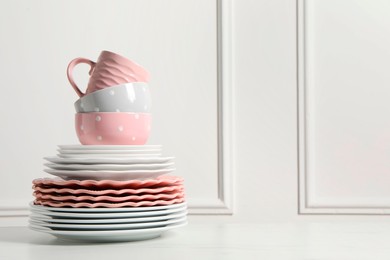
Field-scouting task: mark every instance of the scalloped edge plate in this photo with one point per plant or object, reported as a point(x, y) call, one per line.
point(72, 204)
point(165, 189)
point(164, 180)
point(104, 198)
point(106, 210)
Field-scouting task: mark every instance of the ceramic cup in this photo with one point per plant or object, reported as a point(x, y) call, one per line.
point(130, 97)
point(106, 128)
point(109, 70)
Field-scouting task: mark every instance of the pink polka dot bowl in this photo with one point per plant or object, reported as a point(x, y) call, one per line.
point(113, 128)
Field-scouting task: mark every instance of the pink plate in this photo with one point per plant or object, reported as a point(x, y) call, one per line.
point(133, 198)
point(108, 205)
point(160, 181)
point(166, 189)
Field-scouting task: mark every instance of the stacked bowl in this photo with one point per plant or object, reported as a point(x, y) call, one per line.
point(115, 109)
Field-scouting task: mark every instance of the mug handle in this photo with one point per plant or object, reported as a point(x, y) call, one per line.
point(69, 73)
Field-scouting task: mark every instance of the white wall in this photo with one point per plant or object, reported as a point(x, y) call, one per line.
point(252, 66)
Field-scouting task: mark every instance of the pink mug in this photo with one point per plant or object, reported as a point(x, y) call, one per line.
point(110, 69)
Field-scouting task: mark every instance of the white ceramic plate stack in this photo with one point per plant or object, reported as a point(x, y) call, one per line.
point(109, 162)
point(108, 193)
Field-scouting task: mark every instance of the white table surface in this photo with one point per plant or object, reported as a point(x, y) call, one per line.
point(212, 240)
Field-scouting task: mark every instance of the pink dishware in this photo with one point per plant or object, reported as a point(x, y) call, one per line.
point(105, 198)
point(113, 128)
point(162, 181)
point(72, 204)
point(109, 70)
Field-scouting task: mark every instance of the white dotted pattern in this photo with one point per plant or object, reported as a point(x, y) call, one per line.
point(120, 128)
point(96, 109)
point(112, 92)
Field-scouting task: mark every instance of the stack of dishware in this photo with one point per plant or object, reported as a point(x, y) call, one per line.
point(108, 210)
point(109, 162)
point(108, 193)
point(113, 187)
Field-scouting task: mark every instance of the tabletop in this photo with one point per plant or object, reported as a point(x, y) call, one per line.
point(215, 240)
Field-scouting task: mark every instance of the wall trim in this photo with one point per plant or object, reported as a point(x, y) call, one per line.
point(308, 203)
point(223, 204)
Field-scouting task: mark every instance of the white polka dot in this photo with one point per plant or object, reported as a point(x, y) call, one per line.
point(120, 128)
point(136, 116)
point(96, 109)
point(98, 118)
point(117, 110)
point(133, 138)
point(112, 92)
point(99, 137)
point(82, 128)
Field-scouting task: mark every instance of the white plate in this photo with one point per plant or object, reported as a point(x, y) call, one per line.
point(117, 226)
point(99, 215)
point(108, 210)
point(109, 235)
point(109, 167)
point(109, 147)
point(109, 156)
point(109, 175)
point(108, 161)
point(111, 152)
point(52, 219)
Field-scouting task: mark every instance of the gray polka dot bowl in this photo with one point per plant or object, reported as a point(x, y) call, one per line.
point(128, 97)
point(113, 128)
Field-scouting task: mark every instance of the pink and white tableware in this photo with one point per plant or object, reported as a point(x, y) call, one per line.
point(128, 97)
point(113, 128)
point(110, 69)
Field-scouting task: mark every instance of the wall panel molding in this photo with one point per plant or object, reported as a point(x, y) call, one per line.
point(311, 201)
point(224, 203)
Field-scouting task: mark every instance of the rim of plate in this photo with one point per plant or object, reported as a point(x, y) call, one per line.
point(107, 147)
point(53, 219)
point(117, 160)
point(108, 210)
point(107, 226)
point(108, 232)
point(103, 215)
